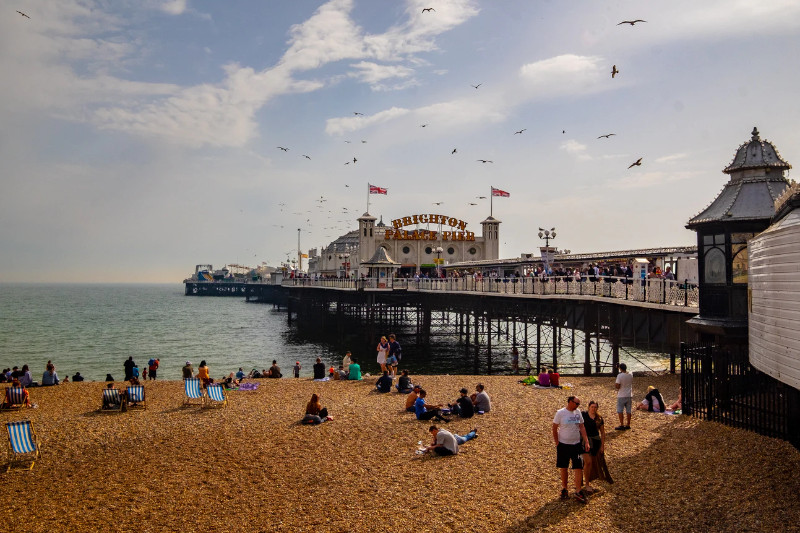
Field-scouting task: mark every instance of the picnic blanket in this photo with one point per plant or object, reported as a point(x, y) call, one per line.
point(248, 386)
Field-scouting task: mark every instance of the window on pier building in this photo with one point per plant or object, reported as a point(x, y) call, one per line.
point(714, 258)
point(739, 256)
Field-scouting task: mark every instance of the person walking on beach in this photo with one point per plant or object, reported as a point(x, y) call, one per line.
point(568, 433)
point(129, 364)
point(383, 349)
point(624, 386)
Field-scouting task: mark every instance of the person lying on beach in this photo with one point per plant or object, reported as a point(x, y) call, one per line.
point(404, 385)
point(652, 401)
point(463, 405)
point(315, 412)
point(446, 443)
point(411, 398)
point(425, 411)
point(384, 383)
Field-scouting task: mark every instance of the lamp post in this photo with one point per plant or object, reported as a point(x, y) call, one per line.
point(547, 234)
point(438, 251)
point(345, 257)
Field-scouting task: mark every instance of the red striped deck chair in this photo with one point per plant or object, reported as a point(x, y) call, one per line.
point(23, 443)
point(191, 387)
point(14, 398)
point(215, 396)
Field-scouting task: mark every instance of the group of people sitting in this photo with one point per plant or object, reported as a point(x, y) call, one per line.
point(547, 378)
point(25, 378)
point(464, 406)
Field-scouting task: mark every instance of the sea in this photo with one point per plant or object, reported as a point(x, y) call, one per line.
point(94, 328)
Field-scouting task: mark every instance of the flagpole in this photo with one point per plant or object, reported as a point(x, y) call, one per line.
point(368, 185)
point(491, 199)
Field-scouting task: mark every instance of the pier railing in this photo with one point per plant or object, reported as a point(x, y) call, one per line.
point(653, 291)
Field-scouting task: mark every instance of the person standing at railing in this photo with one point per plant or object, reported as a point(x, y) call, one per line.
point(668, 274)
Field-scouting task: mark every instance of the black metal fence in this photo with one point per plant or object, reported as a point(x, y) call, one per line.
point(720, 385)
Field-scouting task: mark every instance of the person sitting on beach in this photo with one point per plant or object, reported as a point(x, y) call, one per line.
point(240, 375)
point(555, 378)
point(444, 442)
point(332, 373)
point(412, 398)
point(230, 382)
point(274, 371)
point(50, 377)
point(26, 379)
point(115, 402)
point(544, 378)
point(15, 384)
point(463, 405)
point(678, 403)
point(384, 383)
point(425, 411)
point(346, 361)
point(77, 377)
point(480, 399)
point(315, 413)
point(202, 374)
point(354, 372)
point(319, 369)
point(652, 401)
point(188, 370)
point(404, 385)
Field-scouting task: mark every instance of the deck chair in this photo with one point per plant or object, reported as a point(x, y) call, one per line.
point(13, 398)
point(215, 396)
point(23, 442)
point(193, 391)
point(112, 401)
point(136, 396)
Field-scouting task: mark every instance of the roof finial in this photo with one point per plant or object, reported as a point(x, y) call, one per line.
point(755, 134)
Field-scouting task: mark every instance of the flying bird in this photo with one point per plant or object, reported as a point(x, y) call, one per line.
point(364, 142)
point(426, 9)
point(614, 71)
point(484, 161)
point(423, 125)
point(638, 163)
point(347, 162)
point(354, 160)
point(472, 203)
point(563, 131)
point(346, 185)
point(307, 157)
point(282, 148)
point(23, 14)
point(438, 203)
point(356, 113)
point(454, 151)
point(481, 197)
point(631, 22)
point(348, 142)
point(606, 136)
point(476, 86)
point(520, 131)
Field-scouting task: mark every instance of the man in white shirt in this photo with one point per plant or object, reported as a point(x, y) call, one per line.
point(571, 443)
point(445, 443)
point(624, 386)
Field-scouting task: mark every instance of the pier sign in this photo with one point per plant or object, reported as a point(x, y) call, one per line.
point(458, 234)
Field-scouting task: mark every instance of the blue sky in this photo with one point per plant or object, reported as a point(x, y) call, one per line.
point(139, 138)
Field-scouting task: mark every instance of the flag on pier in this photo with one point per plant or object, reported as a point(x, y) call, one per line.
point(498, 192)
point(374, 189)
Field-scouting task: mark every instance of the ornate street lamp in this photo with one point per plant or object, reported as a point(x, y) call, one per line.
point(438, 251)
point(547, 255)
point(345, 257)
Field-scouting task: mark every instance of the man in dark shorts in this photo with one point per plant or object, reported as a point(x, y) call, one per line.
point(571, 442)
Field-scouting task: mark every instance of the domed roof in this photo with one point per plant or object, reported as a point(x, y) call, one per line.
point(756, 154)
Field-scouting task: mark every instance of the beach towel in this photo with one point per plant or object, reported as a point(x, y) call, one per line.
point(323, 379)
point(248, 386)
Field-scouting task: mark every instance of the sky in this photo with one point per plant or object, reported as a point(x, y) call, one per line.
point(139, 138)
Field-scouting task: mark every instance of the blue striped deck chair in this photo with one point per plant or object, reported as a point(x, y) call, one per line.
point(136, 397)
point(23, 442)
point(193, 391)
point(13, 398)
point(215, 396)
point(112, 401)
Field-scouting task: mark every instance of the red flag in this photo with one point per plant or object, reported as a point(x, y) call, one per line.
point(374, 189)
point(498, 192)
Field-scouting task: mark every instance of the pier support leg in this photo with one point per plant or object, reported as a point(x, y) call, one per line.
point(587, 351)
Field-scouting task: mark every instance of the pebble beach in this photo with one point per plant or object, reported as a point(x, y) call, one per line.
point(253, 467)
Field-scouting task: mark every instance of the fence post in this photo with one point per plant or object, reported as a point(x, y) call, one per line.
point(686, 292)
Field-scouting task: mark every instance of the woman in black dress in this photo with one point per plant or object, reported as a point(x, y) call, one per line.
point(596, 432)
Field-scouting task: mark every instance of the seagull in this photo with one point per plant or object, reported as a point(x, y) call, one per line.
point(484, 161)
point(423, 125)
point(606, 136)
point(614, 71)
point(348, 142)
point(454, 151)
point(481, 197)
point(282, 148)
point(472, 203)
point(563, 131)
point(347, 162)
point(363, 142)
point(346, 185)
point(307, 157)
point(520, 131)
point(631, 22)
point(23, 14)
point(638, 163)
point(438, 203)
point(354, 160)
point(356, 113)
point(426, 9)
point(476, 86)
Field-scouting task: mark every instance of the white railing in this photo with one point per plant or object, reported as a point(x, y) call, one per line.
point(654, 291)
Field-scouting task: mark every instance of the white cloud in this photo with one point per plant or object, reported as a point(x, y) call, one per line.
point(575, 148)
point(174, 7)
point(670, 158)
point(373, 73)
point(338, 126)
point(565, 74)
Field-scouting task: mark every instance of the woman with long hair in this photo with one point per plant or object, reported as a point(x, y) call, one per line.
point(596, 433)
point(315, 413)
point(202, 373)
point(383, 349)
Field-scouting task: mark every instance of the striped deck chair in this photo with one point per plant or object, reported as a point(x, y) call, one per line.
point(136, 397)
point(23, 442)
point(193, 391)
point(215, 396)
point(13, 398)
point(112, 401)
